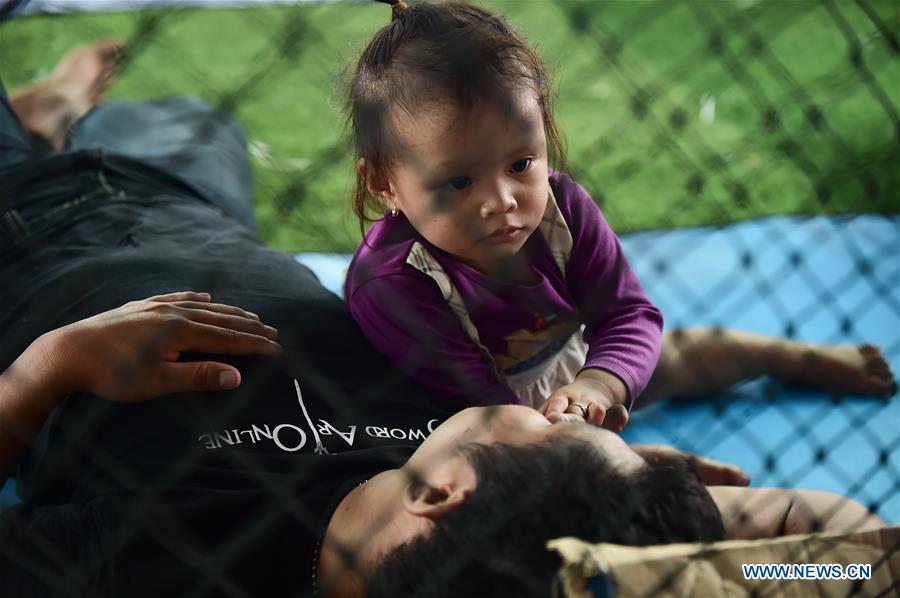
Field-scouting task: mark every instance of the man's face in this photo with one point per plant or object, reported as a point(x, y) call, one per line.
point(473, 184)
point(516, 425)
point(441, 465)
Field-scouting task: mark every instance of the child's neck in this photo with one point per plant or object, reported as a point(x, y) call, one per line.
point(515, 269)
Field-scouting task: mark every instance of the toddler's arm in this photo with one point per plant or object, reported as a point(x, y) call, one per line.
point(623, 329)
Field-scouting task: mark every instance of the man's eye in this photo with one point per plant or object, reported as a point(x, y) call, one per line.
point(521, 165)
point(460, 182)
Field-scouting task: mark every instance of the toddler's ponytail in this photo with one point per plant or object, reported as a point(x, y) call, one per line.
point(397, 7)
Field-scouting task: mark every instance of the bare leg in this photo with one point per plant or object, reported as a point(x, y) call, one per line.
point(699, 361)
point(49, 107)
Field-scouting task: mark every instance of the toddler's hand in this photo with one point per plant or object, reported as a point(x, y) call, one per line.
point(585, 399)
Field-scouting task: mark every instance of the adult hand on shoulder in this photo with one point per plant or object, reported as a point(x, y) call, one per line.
point(591, 398)
point(711, 472)
point(131, 353)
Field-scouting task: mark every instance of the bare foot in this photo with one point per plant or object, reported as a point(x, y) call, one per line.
point(859, 370)
point(49, 107)
point(698, 361)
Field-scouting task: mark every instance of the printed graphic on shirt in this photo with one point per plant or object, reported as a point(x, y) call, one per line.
point(527, 348)
point(317, 436)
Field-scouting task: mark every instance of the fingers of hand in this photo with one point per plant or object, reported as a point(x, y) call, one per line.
point(230, 320)
point(716, 473)
point(596, 414)
point(218, 308)
point(616, 418)
point(181, 296)
point(206, 338)
point(576, 411)
point(193, 300)
point(556, 406)
point(564, 408)
point(651, 452)
point(735, 476)
point(198, 375)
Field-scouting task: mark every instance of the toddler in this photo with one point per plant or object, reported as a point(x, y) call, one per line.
point(493, 278)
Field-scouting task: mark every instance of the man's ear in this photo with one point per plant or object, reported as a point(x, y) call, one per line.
point(442, 490)
point(380, 188)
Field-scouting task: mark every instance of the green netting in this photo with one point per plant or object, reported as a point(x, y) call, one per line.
point(676, 113)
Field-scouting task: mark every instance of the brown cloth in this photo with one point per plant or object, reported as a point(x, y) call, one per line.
point(715, 569)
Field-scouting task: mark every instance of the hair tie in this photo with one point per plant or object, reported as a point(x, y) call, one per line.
point(397, 7)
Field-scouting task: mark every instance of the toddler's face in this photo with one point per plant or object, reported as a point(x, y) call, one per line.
point(475, 184)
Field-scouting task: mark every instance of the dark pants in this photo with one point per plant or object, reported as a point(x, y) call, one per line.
point(199, 146)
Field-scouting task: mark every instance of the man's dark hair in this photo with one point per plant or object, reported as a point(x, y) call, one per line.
point(526, 495)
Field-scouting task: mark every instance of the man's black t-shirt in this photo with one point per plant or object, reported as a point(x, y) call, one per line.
point(222, 493)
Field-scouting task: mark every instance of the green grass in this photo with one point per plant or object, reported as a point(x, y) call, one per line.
point(656, 167)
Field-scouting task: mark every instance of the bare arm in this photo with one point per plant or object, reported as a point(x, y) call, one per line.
point(751, 513)
point(29, 391)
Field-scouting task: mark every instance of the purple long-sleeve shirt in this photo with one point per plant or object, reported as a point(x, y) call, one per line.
point(404, 314)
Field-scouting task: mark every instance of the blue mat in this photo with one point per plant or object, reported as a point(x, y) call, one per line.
point(834, 280)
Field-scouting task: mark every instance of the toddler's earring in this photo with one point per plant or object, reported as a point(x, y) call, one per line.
point(394, 211)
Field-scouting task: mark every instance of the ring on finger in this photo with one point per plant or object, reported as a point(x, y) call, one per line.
point(581, 407)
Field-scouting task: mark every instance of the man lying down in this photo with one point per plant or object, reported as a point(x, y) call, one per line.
point(248, 441)
point(281, 488)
